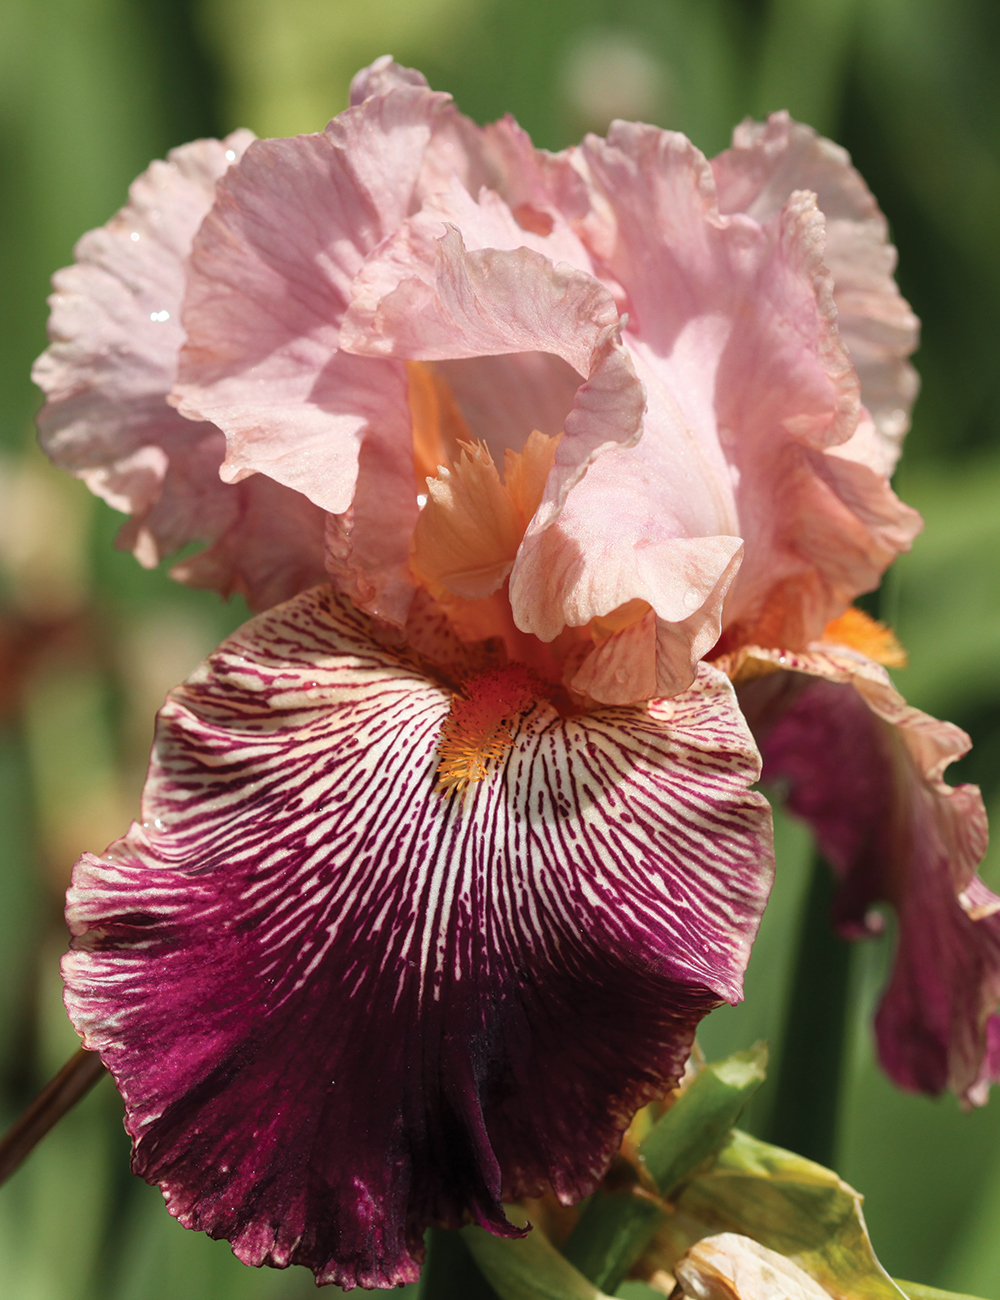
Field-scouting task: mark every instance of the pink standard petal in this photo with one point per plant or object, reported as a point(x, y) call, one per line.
point(456, 146)
point(770, 160)
point(431, 294)
point(115, 330)
point(269, 282)
point(751, 389)
point(268, 286)
point(865, 770)
point(342, 1006)
point(428, 297)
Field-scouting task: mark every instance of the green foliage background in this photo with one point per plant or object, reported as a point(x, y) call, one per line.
point(90, 91)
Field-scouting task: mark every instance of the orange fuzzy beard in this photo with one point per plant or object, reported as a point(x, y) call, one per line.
point(865, 634)
point(477, 732)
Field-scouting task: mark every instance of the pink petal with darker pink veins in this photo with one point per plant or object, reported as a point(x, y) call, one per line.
point(116, 334)
point(866, 771)
point(342, 1005)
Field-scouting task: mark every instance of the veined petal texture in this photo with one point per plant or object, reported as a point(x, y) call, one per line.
point(342, 1005)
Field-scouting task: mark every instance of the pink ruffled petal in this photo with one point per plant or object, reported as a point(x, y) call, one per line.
point(504, 398)
point(342, 1006)
point(268, 286)
point(273, 549)
point(269, 282)
point(463, 280)
point(383, 75)
point(691, 275)
point(732, 326)
point(429, 294)
point(865, 770)
point(116, 333)
point(684, 580)
point(770, 160)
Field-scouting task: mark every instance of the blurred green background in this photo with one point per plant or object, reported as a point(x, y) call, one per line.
point(90, 91)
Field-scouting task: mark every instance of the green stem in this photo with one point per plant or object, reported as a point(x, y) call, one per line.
point(450, 1272)
point(807, 1097)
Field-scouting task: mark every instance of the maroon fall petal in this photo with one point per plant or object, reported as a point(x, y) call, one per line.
point(894, 832)
point(342, 1005)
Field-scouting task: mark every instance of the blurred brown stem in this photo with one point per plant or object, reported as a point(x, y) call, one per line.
point(60, 1094)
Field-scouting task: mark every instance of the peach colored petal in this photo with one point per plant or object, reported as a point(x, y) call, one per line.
point(526, 472)
point(866, 635)
point(438, 424)
point(468, 533)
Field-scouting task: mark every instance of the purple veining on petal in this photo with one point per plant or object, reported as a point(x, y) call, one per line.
point(341, 1007)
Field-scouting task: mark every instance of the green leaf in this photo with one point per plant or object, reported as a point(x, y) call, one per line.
point(611, 1234)
point(638, 1291)
point(617, 1226)
point(528, 1268)
point(449, 1271)
point(915, 1291)
point(698, 1121)
point(795, 1207)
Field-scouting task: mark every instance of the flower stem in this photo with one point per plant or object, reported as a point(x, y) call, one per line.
point(450, 1272)
point(60, 1094)
point(807, 1098)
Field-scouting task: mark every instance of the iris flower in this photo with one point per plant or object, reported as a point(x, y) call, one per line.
point(523, 458)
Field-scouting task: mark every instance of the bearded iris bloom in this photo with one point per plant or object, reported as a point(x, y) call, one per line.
point(525, 459)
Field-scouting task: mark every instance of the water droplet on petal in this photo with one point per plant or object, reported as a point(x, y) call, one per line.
point(692, 598)
point(134, 236)
point(159, 315)
point(421, 500)
point(231, 155)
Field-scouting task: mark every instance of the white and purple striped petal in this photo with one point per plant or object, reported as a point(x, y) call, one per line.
point(342, 1005)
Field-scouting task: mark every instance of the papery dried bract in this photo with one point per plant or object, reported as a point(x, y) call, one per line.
point(733, 1267)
